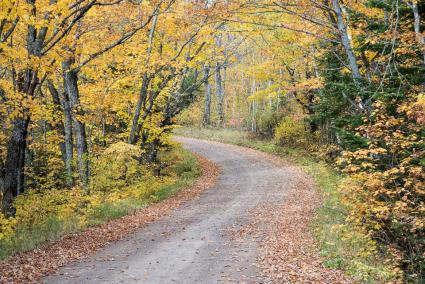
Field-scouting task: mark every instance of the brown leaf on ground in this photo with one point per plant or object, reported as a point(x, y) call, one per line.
point(288, 251)
point(28, 267)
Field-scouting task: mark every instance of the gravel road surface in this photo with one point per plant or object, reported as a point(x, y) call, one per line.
point(198, 242)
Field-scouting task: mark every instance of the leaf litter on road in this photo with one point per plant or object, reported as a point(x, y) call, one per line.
point(288, 252)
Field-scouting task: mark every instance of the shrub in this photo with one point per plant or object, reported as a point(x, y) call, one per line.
point(120, 185)
point(6, 226)
point(192, 115)
point(118, 166)
point(267, 122)
point(388, 198)
point(290, 132)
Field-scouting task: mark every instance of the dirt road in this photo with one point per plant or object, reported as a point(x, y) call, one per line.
point(200, 242)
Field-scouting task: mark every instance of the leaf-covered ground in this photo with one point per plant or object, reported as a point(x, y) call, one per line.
point(30, 266)
point(279, 228)
point(288, 250)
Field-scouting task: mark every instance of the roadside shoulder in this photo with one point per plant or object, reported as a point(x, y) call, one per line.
point(29, 267)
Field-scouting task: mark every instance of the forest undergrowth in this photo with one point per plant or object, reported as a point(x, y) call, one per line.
point(120, 187)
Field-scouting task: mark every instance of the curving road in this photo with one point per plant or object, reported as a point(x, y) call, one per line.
point(196, 243)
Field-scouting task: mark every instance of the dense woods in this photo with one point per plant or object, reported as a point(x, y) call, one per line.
point(90, 91)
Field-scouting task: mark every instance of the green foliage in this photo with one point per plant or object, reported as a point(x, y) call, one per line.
point(388, 197)
point(110, 210)
point(343, 245)
point(376, 122)
point(25, 237)
point(267, 121)
point(185, 168)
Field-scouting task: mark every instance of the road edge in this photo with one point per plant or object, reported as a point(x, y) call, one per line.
point(31, 266)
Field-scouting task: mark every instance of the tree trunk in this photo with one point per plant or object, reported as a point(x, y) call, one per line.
point(14, 167)
point(135, 129)
point(148, 104)
point(254, 117)
point(153, 151)
point(207, 110)
point(134, 132)
point(345, 40)
point(417, 26)
point(253, 107)
point(71, 86)
point(58, 109)
point(220, 95)
point(69, 142)
point(65, 129)
point(13, 184)
point(103, 131)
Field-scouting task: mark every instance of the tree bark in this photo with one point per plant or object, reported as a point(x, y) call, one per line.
point(25, 83)
point(135, 129)
point(14, 168)
point(65, 129)
point(134, 133)
point(148, 104)
point(220, 95)
point(417, 26)
point(68, 138)
point(345, 40)
point(70, 78)
point(207, 109)
point(15, 164)
point(253, 107)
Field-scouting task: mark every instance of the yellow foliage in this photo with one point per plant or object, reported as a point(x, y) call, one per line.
point(7, 225)
point(116, 167)
point(387, 197)
point(290, 132)
point(119, 184)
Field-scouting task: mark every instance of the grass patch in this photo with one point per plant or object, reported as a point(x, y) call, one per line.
point(114, 210)
point(27, 237)
point(187, 169)
point(342, 246)
point(29, 233)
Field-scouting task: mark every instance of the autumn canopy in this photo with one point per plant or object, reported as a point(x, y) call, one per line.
point(91, 90)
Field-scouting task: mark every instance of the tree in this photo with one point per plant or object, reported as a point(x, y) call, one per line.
point(25, 75)
point(207, 108)
point(43, 39)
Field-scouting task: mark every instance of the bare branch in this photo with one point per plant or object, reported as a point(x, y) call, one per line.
point(52, 41)
point(283, 26)
point(10, 31)
point(124, 38)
